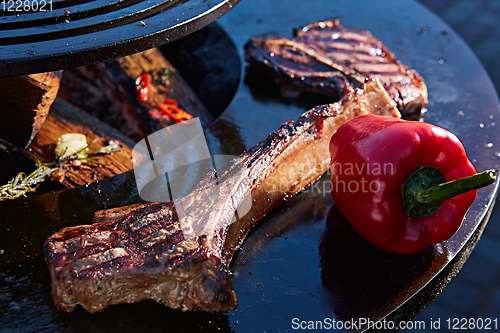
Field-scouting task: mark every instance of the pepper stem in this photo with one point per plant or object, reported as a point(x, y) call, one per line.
point(442, 192)
point(426, 189)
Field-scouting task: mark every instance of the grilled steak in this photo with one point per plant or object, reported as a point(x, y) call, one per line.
point(331, 60)
point(144, 251)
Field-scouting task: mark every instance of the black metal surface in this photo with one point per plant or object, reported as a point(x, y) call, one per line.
point(303, 260)
point(309, 271)
point(80, 32)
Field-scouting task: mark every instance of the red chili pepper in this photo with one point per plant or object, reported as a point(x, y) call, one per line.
point(170, 101)
point(142, 84)
point(169, 109)
point(401, 183)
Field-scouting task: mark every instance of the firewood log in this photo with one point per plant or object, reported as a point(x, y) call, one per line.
point(25, 104)
point(108, 91)
point(66, 118)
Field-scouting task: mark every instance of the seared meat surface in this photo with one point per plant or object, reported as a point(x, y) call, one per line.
point(329, 59)
point(145, 251)
point(133, 253)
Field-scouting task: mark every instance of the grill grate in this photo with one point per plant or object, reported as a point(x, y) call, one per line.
point(72, 33)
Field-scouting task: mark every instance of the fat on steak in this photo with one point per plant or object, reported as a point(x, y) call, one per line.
point(329, 59)
point(143, 251)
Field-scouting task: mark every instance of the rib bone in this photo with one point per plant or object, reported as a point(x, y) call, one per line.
point(143, 251)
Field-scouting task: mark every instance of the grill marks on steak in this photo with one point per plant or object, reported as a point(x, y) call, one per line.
point(331, 60)
point(144, 251)
point(134, 253)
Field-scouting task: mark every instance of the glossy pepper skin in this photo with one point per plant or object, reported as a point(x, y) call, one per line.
point(372, 156)
point(143, 83)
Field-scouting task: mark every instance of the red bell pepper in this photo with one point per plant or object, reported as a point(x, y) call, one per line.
point(401, 183)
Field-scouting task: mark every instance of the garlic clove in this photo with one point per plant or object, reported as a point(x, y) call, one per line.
point(71, 143)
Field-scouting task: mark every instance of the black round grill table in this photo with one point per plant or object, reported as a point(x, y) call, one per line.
point(302, 261)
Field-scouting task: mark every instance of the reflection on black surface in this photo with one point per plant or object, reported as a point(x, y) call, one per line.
point(361, 279)
point(300, 212)
point(146, 316)
point(227, 135)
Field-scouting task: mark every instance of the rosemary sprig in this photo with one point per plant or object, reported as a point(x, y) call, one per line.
point(109, 149)
point(22, 184)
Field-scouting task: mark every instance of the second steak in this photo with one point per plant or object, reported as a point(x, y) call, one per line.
point(329, 59)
